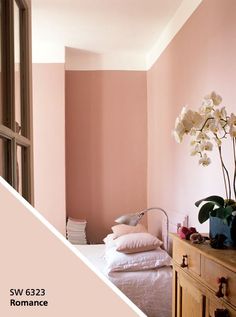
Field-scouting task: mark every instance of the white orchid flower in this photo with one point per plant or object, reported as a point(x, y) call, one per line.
point(206, 146)
point(232, 131)
point(196, 150)
point(202, 136)
point(232, 119)
point(216, 99)
point(193, 132)
point(186, 123)
point(205, 160)
point(207, 107)
point(220, 114)
point(207, 102)
point(224, 113)
point(204, 125)
point(232, 125)
point(192, 119)
point(179, 130)
point(183, 112)
point(215, 127)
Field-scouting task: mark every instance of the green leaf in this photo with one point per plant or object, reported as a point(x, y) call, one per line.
point(217, 200)
point(213, 213)
point(225, 222)
point(229, 220)
point(224, 213)
point(204, 212)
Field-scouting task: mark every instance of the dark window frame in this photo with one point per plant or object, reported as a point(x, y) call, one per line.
point(8, 128)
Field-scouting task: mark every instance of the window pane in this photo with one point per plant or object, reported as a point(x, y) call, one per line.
point(22, 171)
point(5, 158)
point(17, 54)
point(19, 167)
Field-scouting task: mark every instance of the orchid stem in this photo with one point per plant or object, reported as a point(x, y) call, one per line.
point(234, 181)
point(225, 171)
point(211, 118)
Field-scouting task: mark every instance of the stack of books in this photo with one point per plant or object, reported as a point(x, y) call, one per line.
point(75, 230)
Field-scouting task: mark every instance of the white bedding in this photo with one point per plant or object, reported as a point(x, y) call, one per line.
point(150, 290)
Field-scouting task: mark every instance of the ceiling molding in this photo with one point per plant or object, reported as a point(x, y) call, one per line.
point(76, 59)
point(181, 16)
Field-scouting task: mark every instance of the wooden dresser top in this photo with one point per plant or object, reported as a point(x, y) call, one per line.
point(226, 257)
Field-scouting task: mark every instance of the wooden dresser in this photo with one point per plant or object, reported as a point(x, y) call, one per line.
point(204, 280)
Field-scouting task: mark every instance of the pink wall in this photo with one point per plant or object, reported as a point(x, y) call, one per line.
point(201, 58)
point(49, 142)
point(45, 260)
point(106, 146)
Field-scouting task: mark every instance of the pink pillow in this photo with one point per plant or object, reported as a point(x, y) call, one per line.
point(120, 230)
point(137, 242)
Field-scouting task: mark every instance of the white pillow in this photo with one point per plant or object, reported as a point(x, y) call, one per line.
point(109, 240)
point(117, 261)
point(137, 242)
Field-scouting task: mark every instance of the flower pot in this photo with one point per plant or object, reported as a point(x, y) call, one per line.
point(218, 227)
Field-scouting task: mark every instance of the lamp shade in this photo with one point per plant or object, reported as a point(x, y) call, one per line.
point(130, 219)
point(134, 218)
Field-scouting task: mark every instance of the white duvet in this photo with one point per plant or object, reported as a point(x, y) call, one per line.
point(150, 290)
point(140, 261)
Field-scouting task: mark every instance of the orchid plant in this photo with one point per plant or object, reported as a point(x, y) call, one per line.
point(209, 127)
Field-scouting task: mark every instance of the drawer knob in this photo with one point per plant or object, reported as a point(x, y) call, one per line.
point(221, 313)
point(184, 261)
point(221, 281)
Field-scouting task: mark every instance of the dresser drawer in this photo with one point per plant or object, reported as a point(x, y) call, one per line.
point(213, 306)
point(211, 271)
point(192, 259)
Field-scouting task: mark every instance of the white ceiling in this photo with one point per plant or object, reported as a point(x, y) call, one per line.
point(100, 26)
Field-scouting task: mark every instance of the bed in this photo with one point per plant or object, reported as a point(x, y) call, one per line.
point(150, 290)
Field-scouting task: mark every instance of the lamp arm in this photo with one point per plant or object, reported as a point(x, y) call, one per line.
point(143, 212)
